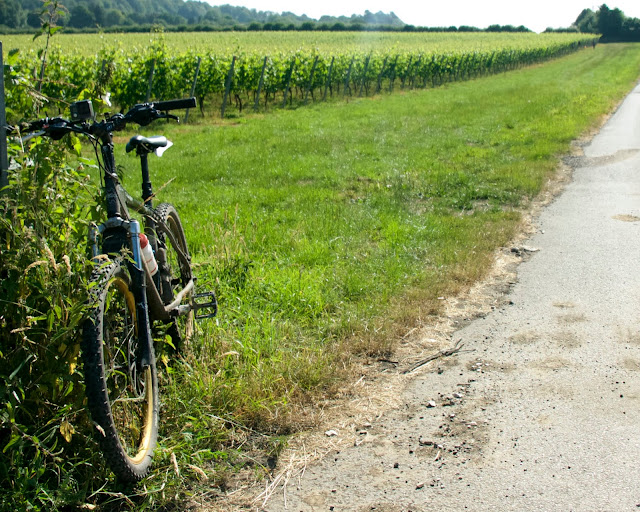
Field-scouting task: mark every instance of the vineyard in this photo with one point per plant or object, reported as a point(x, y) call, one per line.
point(271, 73)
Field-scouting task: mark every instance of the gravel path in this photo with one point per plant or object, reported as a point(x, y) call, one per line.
point(542, 409)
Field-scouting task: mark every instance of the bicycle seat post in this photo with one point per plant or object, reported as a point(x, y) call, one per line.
point(147, 191)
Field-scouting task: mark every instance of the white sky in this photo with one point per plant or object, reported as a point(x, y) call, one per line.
point(536, 15)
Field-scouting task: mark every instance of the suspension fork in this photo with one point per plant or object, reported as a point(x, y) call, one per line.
point(136, 269)
point(137, 273)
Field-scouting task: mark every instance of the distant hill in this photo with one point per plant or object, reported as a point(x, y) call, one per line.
point(177, 14)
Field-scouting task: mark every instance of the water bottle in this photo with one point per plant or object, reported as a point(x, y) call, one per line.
point(147, 254)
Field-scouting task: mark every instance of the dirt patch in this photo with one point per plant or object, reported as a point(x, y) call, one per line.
point(630, 364)
point(524, 338)
point(572, 318)
point(628, 337)
point(626, 218)
point(566, 339)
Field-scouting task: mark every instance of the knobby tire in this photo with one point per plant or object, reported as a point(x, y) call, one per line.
point(122, 396)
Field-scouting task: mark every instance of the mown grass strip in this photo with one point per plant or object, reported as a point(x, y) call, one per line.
point(333, 223)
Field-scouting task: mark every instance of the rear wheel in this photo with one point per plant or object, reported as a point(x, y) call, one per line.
point(122, 395)
point(174, 264)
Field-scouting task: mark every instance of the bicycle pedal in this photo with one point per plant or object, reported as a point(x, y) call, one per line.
point(205, 300)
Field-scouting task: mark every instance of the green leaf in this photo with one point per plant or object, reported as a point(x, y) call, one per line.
point(15, 372)
point(77, 145)
point(14, 439)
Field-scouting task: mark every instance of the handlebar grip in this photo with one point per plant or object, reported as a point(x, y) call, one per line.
point(163, 106)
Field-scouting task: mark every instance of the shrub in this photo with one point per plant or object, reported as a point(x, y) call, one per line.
point(45, 447)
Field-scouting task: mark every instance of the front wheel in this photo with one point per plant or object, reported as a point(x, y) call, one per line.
point(122, 394)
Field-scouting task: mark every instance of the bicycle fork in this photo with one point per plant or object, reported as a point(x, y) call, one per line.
point(138, 282)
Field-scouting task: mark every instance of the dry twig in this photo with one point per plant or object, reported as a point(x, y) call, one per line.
point(443, 353)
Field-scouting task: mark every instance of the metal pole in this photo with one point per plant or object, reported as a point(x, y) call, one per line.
point(4, 161)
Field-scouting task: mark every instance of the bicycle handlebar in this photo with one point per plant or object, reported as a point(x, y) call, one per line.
point(174, 104)
point(142, 114)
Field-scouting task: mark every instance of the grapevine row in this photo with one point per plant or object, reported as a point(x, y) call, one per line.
point(285, 77)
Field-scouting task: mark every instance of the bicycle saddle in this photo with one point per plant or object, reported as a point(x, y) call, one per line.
point(146, 144)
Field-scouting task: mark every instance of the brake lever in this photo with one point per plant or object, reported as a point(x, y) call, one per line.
point(166, 115)
point(32, 135)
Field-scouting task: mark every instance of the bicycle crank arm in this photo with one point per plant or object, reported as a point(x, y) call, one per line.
point(180, 296)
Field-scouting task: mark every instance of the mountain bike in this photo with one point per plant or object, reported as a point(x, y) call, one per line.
point(142, 284)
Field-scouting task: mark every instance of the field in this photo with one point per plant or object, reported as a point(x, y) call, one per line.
point(329, 232)
point(274, 43)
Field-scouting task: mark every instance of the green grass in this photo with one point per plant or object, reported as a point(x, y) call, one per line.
point(326, 229)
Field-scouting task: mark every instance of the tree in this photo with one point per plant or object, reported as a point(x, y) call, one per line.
point(631, 29)
point(610, 22)
point(114, 18)
point(9, 10)
point(33, 19)
point(193, 12)
point(98, 13)
point(81, 17)
point(587, 22)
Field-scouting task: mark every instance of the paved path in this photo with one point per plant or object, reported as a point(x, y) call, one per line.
point(544, 414)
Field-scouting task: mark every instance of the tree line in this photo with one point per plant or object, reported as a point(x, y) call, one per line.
point(196, 15)
point(611, 23)
point(130, 14)
point(192, 15)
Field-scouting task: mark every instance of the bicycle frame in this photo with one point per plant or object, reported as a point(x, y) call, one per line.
point(118, 202)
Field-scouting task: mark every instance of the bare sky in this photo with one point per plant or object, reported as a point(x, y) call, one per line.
point(536, 15)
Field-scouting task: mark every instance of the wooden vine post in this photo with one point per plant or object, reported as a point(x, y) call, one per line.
point(193, 87)
point(346, 80)
point(151, 73)
point(227, 86)
point(364, 74)
point(260, 85)
point(328, 82)
point(393, 73)
point(288, 86)
point(404, 76)
point(4, 161)
point(313, 71)
point(380, 75)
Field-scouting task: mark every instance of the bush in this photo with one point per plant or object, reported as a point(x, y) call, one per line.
point(46, 448)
